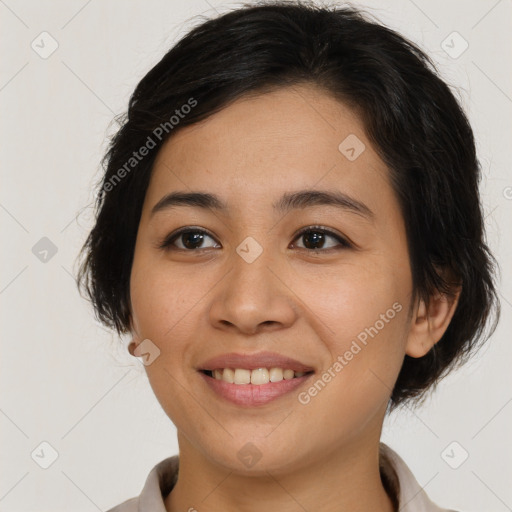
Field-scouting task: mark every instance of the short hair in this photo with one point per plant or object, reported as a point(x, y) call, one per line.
point(409, 114)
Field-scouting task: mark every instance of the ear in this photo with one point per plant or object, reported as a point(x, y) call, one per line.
point(429, 324)
point(132, 346)
point(136, 339)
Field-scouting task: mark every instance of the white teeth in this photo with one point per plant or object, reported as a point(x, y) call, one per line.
point(276, 374)
point(258, 376)
point(227, 375)
point(242, 376)
point(288, 374)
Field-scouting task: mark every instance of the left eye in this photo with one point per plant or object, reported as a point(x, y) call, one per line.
point(314, 238)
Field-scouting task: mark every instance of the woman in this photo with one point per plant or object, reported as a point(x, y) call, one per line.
point(289, 228)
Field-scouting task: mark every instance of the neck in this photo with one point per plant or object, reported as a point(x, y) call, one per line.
point(348, 479)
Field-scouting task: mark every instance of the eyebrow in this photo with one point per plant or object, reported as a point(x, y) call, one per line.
point(289, 201)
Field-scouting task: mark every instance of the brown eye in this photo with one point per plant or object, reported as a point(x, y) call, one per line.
point(186, 240)
point(315, 238)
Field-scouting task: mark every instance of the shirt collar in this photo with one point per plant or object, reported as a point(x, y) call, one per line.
point(412, 497)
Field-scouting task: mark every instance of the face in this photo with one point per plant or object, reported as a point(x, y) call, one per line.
point(325, 283)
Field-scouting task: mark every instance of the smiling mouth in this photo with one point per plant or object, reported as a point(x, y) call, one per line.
point(258, 376)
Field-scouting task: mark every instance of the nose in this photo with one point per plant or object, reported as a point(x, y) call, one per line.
point(254, 297)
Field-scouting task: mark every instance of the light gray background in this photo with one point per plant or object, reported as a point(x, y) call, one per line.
point(67, 381)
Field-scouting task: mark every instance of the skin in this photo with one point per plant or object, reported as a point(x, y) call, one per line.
point(299, 302)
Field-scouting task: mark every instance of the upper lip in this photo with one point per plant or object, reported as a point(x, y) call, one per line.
point(254, 361)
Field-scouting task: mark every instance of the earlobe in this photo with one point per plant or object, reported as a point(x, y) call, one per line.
point(132, 345)
point(429, 324)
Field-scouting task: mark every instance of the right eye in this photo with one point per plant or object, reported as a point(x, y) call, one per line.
point(190, 240)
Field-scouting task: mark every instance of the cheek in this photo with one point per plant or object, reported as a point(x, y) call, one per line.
point(363, 309)
point(163, 299)
point(351, 297)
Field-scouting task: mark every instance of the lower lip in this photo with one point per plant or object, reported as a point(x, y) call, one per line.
point(253, 394)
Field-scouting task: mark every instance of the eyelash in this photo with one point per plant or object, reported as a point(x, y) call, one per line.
point(167, 243)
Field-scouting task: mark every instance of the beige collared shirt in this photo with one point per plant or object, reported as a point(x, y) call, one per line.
point(161, 480)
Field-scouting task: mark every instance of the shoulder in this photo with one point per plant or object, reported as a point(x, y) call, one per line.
point(159, 483)
point(411, 496)
point(131, 505)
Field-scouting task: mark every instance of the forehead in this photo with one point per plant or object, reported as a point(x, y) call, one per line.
point(261, 146)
